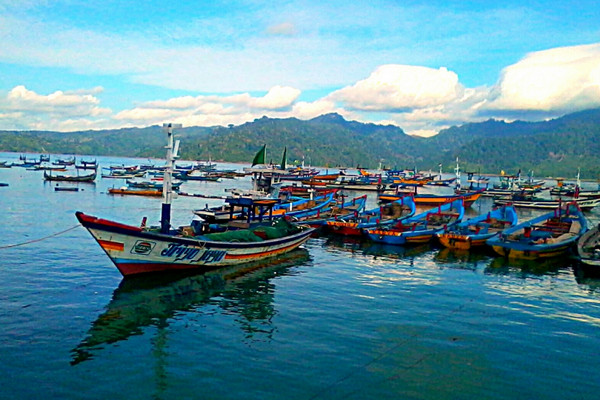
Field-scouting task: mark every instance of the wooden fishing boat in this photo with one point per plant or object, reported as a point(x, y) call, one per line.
point(475, 231)
point(548, 235)
point(150, 185)
point(84, 164)
point(520, 201)
point(588, 247)
point(432, 200)
point(441, 182)
point(420, 228)
point(305, 191)
point(187, 176)
point(65, 161)
point(136, 250)
point(70, 178)
point(136, 192)
point(333, 212)
point(141, 249)
point(235, 207)
point(41, 167)
point(355, 224)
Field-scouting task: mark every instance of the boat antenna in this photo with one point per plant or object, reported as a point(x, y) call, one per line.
point(172, 150)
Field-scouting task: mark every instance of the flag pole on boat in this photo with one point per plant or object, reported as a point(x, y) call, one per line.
point(172, 150)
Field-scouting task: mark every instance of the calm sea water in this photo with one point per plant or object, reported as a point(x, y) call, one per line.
point(336, 319)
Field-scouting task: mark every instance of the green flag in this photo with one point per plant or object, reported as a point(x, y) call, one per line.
point(259, 158)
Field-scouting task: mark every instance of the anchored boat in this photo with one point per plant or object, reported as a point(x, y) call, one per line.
point(142, 249)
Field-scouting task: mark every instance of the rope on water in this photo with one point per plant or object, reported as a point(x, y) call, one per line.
point(39, 239)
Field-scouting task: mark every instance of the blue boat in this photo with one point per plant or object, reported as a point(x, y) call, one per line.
point(549, 235)
point(420, 228)
point(385, 215)
point(477, 230)
point(334, 211)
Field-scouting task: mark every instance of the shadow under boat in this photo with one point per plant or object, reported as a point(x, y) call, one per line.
point(550, 266)
point(378, 250)
point(152, 300)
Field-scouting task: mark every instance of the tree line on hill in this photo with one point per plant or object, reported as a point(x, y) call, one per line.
point(556, 147)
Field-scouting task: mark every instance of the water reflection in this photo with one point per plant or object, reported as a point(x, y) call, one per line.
point(462, 259)
point(524, 268)
point(588, 276)
point(145, 301)
point(375, 250)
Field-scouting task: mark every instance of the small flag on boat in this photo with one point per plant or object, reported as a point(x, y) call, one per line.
point(259, 158)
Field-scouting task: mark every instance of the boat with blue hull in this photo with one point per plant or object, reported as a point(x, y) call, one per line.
point(420, 228)
point(548, 235)
point(338, 210)
point(475, 231)
point(354, 225)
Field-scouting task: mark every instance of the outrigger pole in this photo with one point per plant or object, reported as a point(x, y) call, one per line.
point(172, 150)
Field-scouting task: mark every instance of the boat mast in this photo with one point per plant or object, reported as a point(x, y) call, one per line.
point(457, 170)
point(172, 150)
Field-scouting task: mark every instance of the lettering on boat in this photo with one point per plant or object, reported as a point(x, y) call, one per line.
point(142, 247)
point(182, 252)
point(211, 256)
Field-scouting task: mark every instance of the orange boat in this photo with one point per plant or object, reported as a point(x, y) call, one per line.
point(136, 192)
point(433, 199)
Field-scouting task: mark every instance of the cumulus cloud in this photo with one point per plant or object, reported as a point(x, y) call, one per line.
point(401, 88)
point(214, 110)
point(420, 100)
point(59, 103)
point(562, 79)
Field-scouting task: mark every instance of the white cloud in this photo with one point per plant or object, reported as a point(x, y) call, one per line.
point(420, 100)
point(401, 88)
point(278, 97)
point(283, 29)
point(560, 79)
point(21, 97)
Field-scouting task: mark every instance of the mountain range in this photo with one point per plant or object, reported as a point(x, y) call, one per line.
point(557, 147)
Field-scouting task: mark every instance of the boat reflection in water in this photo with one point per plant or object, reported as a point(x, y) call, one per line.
point(375, 250)
point(153, 300)
point(587, 275)
point(463, 259)
point(550, 266)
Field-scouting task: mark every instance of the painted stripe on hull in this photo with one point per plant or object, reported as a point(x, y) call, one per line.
point(529, 254)
point(110, 245)
point(132, 267)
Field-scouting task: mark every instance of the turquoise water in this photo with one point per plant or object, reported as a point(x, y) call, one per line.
point(336, 319)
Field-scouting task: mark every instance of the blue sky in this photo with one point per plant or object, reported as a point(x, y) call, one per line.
point(76, 65)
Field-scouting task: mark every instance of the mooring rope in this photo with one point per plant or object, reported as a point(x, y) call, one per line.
point(39, 239)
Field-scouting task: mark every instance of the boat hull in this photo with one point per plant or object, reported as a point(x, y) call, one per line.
point(134, 250)
point(548, 235)
point(588, 247)
point(531, 254)
point(400, 238)
point(463, 242)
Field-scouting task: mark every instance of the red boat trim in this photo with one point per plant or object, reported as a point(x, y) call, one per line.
point(88, 219)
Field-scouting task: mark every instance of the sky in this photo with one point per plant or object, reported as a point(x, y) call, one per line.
point(68, 65)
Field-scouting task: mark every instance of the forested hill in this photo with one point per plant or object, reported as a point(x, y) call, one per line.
point(549, 148)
